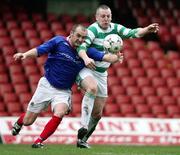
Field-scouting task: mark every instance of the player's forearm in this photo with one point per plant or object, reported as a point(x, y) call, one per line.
point(82, 54)
point(142, 32)
point(111, 58)
point(31, 53)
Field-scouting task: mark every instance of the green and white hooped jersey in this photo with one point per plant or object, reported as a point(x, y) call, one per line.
point(96, 36)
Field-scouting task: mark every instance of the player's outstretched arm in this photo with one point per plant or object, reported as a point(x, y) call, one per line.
point(152, 28)
point(29, 54)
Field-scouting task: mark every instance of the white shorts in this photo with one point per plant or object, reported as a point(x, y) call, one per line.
point(99, 77)
point(46, 94)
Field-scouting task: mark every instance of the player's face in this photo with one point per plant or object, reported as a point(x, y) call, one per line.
point(78, 37)
point(104, 17)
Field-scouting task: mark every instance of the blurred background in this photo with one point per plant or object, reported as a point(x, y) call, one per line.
point(146, 85)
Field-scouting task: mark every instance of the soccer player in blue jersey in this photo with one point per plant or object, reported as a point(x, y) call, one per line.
point(61, 68)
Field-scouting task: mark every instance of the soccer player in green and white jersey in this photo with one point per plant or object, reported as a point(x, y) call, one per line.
point(94, 81)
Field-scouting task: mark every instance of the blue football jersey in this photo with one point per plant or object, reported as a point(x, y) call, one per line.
point(63, 63)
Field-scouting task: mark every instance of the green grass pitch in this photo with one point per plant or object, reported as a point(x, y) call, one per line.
point(95, 150)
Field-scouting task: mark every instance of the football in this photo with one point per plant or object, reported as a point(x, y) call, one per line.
point(112, 43)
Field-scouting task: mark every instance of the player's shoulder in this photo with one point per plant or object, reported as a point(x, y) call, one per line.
point(59, 38)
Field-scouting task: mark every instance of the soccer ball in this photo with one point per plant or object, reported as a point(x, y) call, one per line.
point(112, 43)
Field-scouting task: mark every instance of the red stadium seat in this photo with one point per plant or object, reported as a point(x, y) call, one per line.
point(153, 100)
point(4, 78)
point(14, 33)
point(117, 90)
point(138, 99)
point(143, 54)
point(138, 72)
point(133, 90)
point(158, 54)
point(111, 109)
point(6, 88)
point(173, 82)
point(148, 63)
point(176, 91)
point(134, 63)
point(122, 99)
point(113, 80)
point(21, 88)
point(10, 97)
point(167, 73)
point(13, 107)
point(25, 98)
point(148, 91)
point(127, 109)
point(15, 69)
point(158, 109)
point(31, 33)
point(25, 25)
point(128, 81)
point(163, 91)
point(163, 63)
point(42, 25)
point(128, 54)
point(158, 82)
point(121, 72)
point(34, 79)
point(31, 69)
point(142, 109)
point(153, 72)
point(176, 64)
point(18, 78)
point(143, 81)
point(168, 100)
point(173, 109)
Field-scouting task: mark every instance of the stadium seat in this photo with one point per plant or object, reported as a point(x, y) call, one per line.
point(34, 79)
point(8, 50)
point(121, 72)
point(2, 106)
point(165, 72)
point(163, 63)
point(148, 63)
point(138, 72)
point(31, 69)
point(142, 109)
point(127, 109)
point(143, 81)
point(176, 91)
point(25, 98)
point(4, 78)
point(134, 63)
point(11, 24)
point(113, 80)
point(158, 82)
point(148, 90)
point(163, 91)
point(143, 54)
point(25, 25)
point(14, 33)
point(173, 82)
point(42, 25)
point(168, 100)
point(31, 33)
point(173, 109)
point(128, 54)
point(153, 72)
point(117, 90)
point(34, 42)
point(10, 97)
point(158, 109)
point(77, 98)
point(111, 109)
point(18, 78)
point(138, 99)
point(15, 69)
point(153, 100)
point(13, 107)
point(128, 81)
point(6, 88)
point(21, 88)
point(176, 64)
point(158, 54)
point(133, 90)
point(122, 99)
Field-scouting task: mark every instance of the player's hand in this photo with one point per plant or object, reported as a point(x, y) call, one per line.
point(120, 57)
point(19, 56)
point(153, 28)
point(90, 63)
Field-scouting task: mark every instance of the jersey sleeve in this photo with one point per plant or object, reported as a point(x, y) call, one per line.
point(95, 54)
point(92, 31)
point(126, 32)
point(47, 47)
